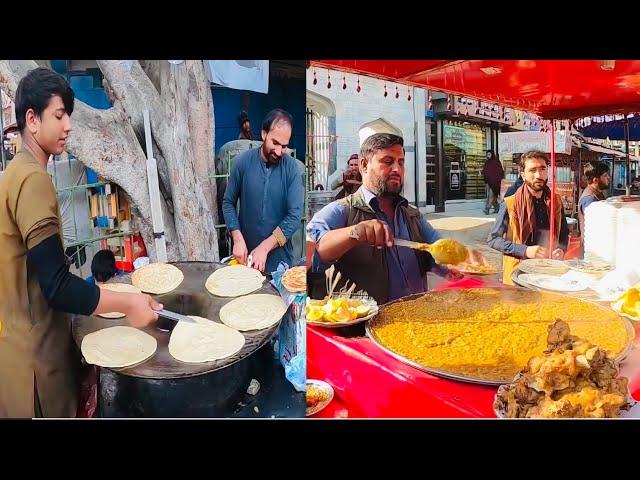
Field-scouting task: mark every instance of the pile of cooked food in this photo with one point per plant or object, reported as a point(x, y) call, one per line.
point(337, 310)
point(488, 334)
point(295, 279)
point(315, 396)
point(572, 379)
point(629, 302)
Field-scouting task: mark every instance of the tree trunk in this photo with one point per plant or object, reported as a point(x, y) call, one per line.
point(112, 143)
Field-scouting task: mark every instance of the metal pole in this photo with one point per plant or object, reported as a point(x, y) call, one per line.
point(440, 202)
point(4, 160)
point(552, 222)
point(626, 143)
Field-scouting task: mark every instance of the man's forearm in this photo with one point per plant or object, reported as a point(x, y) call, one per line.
point(236, 235)
point(335, 243)
point(508, 247)
point(271, 243)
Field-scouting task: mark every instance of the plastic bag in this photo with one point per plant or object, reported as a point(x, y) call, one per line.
point(291, 345)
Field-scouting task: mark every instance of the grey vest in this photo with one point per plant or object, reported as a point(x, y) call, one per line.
point(367, 266)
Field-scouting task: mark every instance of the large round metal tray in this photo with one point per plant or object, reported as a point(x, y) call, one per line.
point(190, 298)
point(482, 381)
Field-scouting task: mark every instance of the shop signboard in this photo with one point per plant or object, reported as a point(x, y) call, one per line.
point(520, 142)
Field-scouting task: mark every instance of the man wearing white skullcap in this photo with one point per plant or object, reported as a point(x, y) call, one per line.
point(356, 233)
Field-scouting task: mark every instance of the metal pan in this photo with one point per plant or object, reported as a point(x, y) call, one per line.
point(482, 381)
point(190, 298)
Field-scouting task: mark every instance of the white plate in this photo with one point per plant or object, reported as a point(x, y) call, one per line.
point(321, 405)
point(553, 282)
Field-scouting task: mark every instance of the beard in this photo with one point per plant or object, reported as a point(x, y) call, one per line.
point(536, 185)
point(271, 157)
point(602, 185)
point(383, 188)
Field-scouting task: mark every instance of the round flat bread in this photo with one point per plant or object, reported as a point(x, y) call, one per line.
point(204, 341)
point(117, 347)
point(234, 281)
point(253, 312)
point(544, 266)
point(295, 279)
point(117, 287)
point(157, 278)
point(589, 266)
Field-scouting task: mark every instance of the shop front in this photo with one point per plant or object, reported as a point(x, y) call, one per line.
point(465, 147)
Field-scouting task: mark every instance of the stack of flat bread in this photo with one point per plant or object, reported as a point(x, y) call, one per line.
point(295, 279)
point(157, 278)
point(234, 281)
point(204, 341)
point(253, 312)
point(118, 287)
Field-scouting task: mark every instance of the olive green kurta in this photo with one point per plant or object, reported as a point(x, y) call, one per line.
point(38, 361)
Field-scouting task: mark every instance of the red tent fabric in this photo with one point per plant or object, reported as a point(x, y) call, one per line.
point(558, 89)
point(553, 89)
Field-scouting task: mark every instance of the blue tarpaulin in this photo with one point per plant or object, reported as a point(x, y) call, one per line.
point(614, 130)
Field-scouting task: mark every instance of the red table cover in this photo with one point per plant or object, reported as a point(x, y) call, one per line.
point(369, 383)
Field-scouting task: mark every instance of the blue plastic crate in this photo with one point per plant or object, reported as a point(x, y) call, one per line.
point(92, 176)
point(102, 222)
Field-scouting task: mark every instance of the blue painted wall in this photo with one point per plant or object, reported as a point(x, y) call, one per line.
point(286, 93)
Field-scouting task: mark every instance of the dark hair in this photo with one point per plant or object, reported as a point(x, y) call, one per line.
point(380, 140)
point(243, 117)
point(103, 266)
point(35, 91)
point(276, 115)
point(532, 154)
point(595, 168)
point(354, 155)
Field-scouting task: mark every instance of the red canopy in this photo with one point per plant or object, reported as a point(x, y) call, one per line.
point(559, 89)
point(553, 89)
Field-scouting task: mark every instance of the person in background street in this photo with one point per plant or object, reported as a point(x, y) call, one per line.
point(103, 267)
point(596, 173)
point(522, 227)
point(245, 127)
point(516, 185)
point(351, 177)
point(492, 173)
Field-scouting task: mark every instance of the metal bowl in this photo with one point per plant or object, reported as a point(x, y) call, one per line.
point(324, 386)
